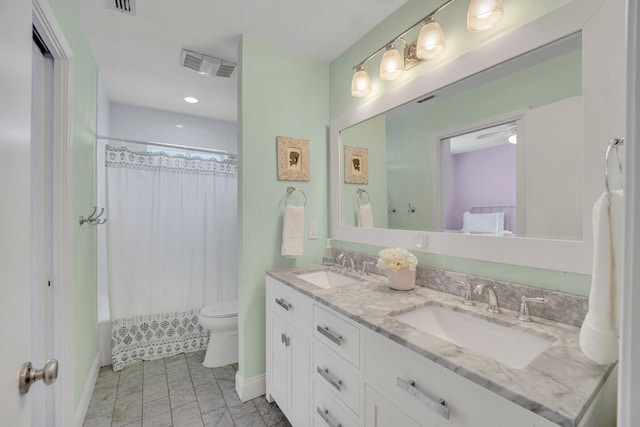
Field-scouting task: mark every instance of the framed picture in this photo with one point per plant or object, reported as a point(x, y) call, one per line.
point(356, 165)
point(293, 159)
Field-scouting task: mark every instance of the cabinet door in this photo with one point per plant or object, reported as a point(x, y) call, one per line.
point(277, 360)
point(300, 376)
point(379, 412)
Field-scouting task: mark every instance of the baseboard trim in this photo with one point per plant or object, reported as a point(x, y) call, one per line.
point(250, 388)
point(83, 404)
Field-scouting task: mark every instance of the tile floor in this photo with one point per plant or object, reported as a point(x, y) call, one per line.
point(177, 391)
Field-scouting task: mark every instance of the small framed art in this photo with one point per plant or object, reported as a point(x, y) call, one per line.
point(293, 158)
point(356, 165)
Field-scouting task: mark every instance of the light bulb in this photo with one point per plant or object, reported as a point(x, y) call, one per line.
point(392, 64)
point(361, 82)
point(513, 139)
point(483, 14)
point(191, 99)
point(430, 40)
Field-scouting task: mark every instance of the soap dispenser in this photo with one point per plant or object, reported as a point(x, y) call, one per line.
point(327, 256)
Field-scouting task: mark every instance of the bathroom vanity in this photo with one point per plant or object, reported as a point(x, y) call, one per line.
point(343, 352)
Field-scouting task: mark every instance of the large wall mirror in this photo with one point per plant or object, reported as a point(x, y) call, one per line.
point(496, 159)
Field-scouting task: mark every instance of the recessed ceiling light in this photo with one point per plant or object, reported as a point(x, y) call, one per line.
point(180, 126)
point(191, 99)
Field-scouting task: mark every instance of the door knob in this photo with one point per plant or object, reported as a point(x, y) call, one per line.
point(28, 375)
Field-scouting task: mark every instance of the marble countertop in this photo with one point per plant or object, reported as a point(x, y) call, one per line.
point(559, 384)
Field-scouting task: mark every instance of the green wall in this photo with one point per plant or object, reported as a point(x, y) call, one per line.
point(459, 41)
point(279, 94)
point(84, 196)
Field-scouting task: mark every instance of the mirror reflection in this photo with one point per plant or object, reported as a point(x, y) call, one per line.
point(499, 153)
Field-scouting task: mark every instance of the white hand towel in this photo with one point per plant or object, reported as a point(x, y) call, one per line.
point(293, 231)
point(599, 332)
point(365, 215)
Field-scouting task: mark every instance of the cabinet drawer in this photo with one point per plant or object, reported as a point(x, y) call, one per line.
point(339, 377)
point(416, 385)
point(329, 411)
point(294, 307)
point(337, 334)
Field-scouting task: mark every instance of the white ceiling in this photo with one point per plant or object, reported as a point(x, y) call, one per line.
point(139, 56)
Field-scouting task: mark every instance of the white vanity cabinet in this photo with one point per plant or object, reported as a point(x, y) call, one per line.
point(288, 354)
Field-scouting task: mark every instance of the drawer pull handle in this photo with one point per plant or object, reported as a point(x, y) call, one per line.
point(282, 303)
point(409, 387)
point(324, 373)
point(324, 414)
point(331, 335)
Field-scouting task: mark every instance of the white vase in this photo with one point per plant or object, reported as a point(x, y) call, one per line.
point(402, 280)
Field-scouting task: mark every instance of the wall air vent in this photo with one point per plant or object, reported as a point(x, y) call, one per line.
point(205, 64)
point(126, 6)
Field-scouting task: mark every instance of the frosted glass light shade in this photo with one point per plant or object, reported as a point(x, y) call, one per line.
point(430, 41)
point(392, 64)
point(361, 83)
point(483, 14)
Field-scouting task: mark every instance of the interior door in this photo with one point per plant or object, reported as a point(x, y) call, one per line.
point(42, 307)
point(15, 123)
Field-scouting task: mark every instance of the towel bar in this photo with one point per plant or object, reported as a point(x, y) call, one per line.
point(292, 189)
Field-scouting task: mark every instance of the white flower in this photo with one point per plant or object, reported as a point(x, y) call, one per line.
point(395, 259)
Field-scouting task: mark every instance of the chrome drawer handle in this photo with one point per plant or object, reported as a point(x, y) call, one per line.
point(324, 414)
point(282, 303)
point(410, 388)
point(324, 373)
point(332, 336)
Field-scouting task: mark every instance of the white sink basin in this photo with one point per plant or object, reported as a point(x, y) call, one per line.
point(506, 345)
point(328, 279)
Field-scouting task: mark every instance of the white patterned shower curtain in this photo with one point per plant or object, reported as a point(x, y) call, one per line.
point(171, 249)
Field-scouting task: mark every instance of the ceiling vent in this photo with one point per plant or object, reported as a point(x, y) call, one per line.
point(205, 64)
point(126, 6)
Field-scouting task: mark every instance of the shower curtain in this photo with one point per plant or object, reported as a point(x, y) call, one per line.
point(171, 249)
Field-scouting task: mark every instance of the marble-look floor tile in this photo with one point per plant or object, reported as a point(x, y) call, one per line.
point(242, 410)
point(225, 373)
point(177, 370)
point(195, 358)
point(218, 418)
point(209, 397)
point(104, 421)
point(127, 409)
point(187, 415)
point(158, 408)
point(200, 374)
point(107, 378)
point(154, 367)
point(155, 388)
point(251, 420)
point(231, 398)
point(181, 392)
point(226, 385)
point(102, 403)
point(270, 412)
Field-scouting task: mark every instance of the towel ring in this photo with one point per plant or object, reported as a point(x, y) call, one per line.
point(292, 189)
point(360, 192)
point(614, 143)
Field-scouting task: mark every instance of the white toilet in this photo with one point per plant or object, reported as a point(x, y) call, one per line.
point(221, 320)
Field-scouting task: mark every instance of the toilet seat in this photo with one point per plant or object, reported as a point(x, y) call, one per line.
point(221, 309)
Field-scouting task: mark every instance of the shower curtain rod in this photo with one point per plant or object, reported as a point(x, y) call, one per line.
point(165, 144)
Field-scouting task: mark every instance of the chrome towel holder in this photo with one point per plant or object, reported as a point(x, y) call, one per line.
point(292, 189)
point(614, 143)
point(359, 193)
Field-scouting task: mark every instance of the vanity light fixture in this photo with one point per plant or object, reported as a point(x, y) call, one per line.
point(481, 15)
point(392, 64)
point(361, 82)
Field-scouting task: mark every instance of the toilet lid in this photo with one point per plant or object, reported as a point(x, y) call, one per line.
point(221, 309)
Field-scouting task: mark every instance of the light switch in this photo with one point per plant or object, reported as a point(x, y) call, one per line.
point(313, 230)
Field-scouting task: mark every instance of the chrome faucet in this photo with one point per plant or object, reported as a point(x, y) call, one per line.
point(493, 306)
point(468, 299)
point(341, 260)
point(523, 311)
